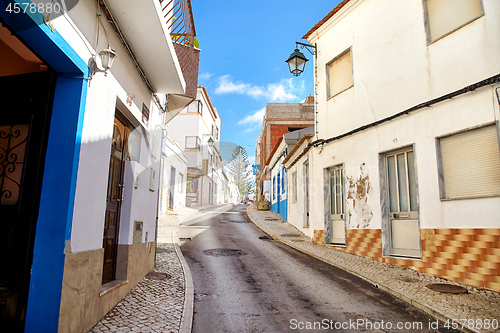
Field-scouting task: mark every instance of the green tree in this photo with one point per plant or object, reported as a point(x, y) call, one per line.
point(240, 168)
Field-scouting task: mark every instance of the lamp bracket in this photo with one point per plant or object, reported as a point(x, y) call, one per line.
point(93, 68)
point(308, 47)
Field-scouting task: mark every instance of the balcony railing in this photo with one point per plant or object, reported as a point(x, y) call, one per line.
point(179, 17)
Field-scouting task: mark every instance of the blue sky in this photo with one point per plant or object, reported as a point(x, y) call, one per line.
point(244, 45)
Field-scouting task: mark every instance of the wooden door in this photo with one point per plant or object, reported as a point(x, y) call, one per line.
point(25, 113)
point(114, 199)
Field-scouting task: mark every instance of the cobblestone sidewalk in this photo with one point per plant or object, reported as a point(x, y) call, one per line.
point(157, 305)
point(474, 309)
point(152, 305)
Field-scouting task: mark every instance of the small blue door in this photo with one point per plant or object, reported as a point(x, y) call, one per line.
point(278, 194)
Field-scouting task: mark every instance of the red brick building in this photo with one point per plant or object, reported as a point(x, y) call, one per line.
point(280, 118)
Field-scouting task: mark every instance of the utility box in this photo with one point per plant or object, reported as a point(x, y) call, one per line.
point(137, 233)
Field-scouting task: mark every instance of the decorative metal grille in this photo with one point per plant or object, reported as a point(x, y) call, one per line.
point(13, 142)
point(179, 17)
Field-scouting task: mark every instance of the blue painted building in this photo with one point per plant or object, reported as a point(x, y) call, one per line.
point(279, 176)
point(79, 158)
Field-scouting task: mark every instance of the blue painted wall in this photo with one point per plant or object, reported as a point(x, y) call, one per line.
point(61, 164)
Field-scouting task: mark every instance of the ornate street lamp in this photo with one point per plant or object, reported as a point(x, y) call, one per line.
point(210, 142)
point(297, 60)
point(107, 56)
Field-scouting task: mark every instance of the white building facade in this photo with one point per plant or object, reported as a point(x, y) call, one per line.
point(404, 166)
point(93, 227)
point(197, 131)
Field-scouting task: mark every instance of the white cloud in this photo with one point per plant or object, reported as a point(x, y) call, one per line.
point(281, 92)
point(256, 117)
point(227, 86)
point(205, 76)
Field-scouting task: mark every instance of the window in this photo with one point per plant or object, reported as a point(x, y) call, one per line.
point(470, 164)
point(134, 144)
point(339, 74)
point(192, 142)
point(294, 186)
point(181, 181)
point(145, 114)
point(274, 187)
point(195, 106)
point(216, 133)
point(283, 180)
point(446, 16)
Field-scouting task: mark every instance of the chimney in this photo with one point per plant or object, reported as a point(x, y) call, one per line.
point(309, 99)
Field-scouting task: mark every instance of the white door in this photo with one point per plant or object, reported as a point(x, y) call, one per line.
point(306, 192)
point(403, 212)
point(337, 222)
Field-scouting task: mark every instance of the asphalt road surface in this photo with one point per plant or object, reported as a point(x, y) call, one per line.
point(246, 284)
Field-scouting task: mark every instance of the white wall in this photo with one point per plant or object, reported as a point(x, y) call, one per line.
point(296, 209)
point(122, 88)
point(393, 67)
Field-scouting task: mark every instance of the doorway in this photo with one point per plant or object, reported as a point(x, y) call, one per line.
point(115, 197)
point(278, 193)
point(171, 189)
point(337, 206)
point(24, 127)
point(404, 228)
point(306, 193)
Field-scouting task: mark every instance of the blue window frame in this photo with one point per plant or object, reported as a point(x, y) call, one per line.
point(283, 180)
point(274, 187)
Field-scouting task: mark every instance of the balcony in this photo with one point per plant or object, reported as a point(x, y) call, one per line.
point(144, 28)
point(178, 16)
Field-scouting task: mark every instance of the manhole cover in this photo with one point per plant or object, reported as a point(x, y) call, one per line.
point(447, 288)
point(289, 235)
point(224, 252)
point(157, 276)
point(265, 237)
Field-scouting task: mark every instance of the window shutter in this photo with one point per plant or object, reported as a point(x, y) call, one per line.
point(471, 163)
point(340, 74)
point(448, 15)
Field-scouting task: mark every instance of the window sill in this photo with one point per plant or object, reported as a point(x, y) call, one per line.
point(110, 286)
point(469, 198)
point(340, 92)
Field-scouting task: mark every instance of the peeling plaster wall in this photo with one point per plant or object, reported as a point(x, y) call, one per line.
point(358, 189)
point(360, 153)
point(395, 69)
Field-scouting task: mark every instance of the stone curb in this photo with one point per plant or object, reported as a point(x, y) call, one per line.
point(420, 305)
point(187, 313)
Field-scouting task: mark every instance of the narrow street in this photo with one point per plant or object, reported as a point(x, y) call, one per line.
point(243, 283)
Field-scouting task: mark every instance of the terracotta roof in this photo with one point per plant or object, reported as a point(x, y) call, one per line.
point(296, 147)
point(326, 18)
point(212, 109)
